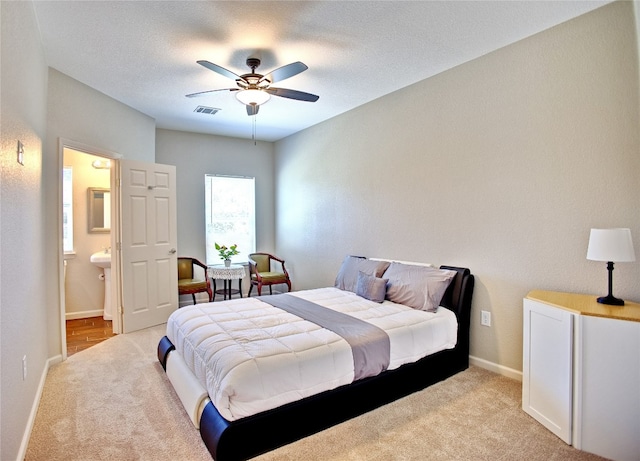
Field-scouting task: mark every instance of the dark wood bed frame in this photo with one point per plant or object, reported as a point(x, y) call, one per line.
point(257, 434)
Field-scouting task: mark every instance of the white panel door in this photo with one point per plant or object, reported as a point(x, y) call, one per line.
point(148, 231)
point(547, 375)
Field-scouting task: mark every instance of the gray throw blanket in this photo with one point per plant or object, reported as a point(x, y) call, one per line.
point(369, 344)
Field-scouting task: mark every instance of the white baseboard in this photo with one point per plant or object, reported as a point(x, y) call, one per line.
point(34, 408)
point(499, 369)
point(83, 314)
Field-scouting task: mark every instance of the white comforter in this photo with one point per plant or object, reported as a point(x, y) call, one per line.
point(252, 357)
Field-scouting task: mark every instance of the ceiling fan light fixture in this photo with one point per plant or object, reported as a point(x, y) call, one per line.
point(252, 96)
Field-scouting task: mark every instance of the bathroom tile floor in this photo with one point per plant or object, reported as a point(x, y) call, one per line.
point(84, 333)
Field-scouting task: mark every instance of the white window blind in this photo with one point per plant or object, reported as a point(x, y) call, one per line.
point(230, 216)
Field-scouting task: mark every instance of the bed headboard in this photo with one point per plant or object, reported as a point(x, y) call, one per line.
point(458, 299)
point(460, 291)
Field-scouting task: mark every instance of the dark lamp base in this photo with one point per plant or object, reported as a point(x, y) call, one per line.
point(611, 300)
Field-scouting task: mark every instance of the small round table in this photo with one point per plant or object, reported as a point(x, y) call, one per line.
point(227, 275)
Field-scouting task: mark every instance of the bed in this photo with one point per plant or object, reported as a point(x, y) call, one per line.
point(238, 420)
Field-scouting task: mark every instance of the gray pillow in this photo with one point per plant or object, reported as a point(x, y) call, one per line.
point(371, 288)
point(347, 277)
point(419, 287)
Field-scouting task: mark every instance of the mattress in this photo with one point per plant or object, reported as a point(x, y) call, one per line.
point(252, 357)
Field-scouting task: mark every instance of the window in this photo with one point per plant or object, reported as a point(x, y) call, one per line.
point(229, 215)
point(67, 209)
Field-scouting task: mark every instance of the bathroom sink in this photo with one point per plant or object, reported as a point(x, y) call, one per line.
point(101, 259)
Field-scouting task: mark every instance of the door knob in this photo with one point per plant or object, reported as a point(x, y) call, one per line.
point(172, 251)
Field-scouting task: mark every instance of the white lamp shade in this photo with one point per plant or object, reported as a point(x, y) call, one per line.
point(613, 245)
point(249, 97)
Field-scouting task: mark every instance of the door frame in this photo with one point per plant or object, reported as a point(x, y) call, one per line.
point(63, 144)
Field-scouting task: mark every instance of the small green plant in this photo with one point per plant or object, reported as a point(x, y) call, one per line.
point(226, 252)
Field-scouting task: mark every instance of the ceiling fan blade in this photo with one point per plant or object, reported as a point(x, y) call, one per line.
point(252, 109)
point(284, 72)
point(292, 94)
point(218, 69)
point(203, 93)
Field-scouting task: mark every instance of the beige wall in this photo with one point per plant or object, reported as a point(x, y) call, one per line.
point(501, 165)
point(40, 106)
point(195, 155)
point(80, 114)
point(23, 311)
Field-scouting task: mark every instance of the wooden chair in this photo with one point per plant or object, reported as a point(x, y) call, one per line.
point(261, 272)
point(190, 282)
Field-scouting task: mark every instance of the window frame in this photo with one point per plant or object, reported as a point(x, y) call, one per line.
point(245, 246)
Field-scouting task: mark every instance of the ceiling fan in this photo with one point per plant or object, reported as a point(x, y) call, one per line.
point(255, 89)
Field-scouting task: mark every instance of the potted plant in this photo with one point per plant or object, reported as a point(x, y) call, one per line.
point(226, 253)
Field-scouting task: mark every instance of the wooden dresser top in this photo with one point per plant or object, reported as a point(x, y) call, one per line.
point(587, 305)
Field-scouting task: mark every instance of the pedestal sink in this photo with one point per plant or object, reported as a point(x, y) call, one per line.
point(102, 259)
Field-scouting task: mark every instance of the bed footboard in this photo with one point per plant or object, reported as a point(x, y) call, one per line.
point(254, 435)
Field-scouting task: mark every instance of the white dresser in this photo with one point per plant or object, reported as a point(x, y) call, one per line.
point(581, 371)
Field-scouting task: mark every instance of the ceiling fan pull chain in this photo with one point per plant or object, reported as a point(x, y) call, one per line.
point(253, 134)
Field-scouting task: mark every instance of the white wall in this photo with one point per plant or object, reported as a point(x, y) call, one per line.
point(195, 155)
point(23, 301)
point(501, 165)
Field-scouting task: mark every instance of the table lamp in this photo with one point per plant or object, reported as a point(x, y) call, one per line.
point(611, 245)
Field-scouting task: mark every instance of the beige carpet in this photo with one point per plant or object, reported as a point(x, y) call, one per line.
point(113, 402)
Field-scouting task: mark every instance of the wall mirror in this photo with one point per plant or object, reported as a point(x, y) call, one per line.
point(99, 210)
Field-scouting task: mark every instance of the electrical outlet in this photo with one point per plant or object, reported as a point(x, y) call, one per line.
point(485, 318)
point(24, 368)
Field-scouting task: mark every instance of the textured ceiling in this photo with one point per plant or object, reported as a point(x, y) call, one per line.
point(144, 53)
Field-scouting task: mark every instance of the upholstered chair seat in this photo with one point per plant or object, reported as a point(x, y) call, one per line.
point(192, 281)
point(273, 277)
point(263, 274)
point(192, 284)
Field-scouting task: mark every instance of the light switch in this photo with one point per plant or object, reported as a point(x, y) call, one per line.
point(20, 153)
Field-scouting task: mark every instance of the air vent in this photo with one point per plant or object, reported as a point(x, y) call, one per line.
point(206, 110)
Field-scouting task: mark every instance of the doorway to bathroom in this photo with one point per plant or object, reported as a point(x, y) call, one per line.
point(86, 307)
